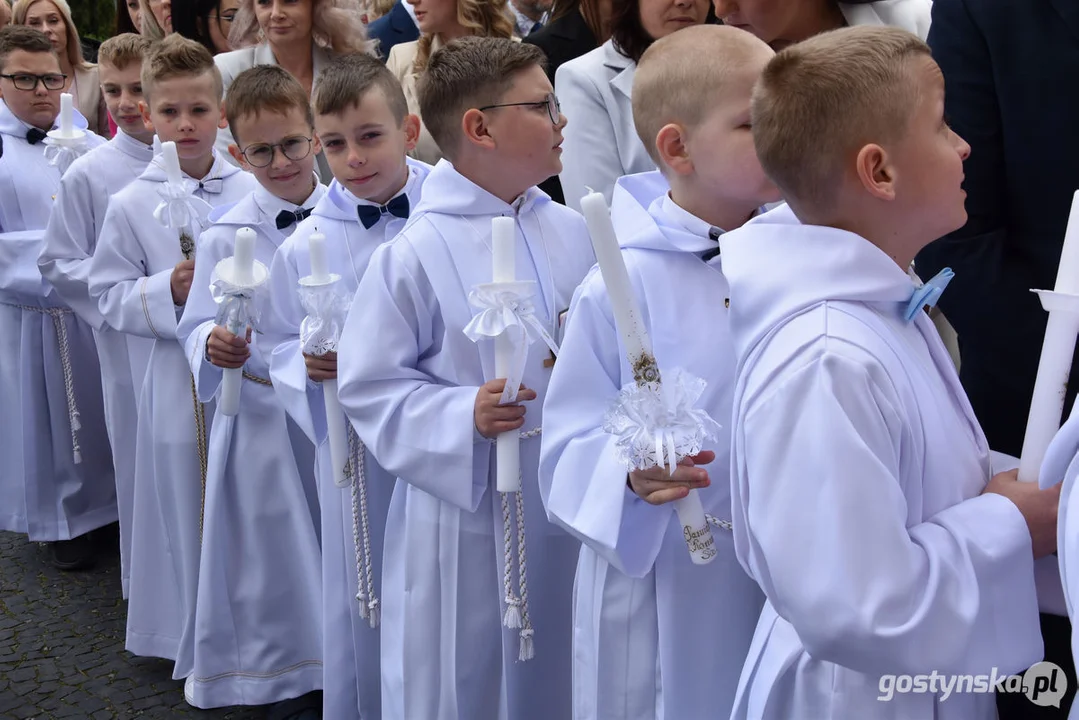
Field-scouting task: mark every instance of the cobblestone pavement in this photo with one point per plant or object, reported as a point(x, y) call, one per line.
point(62, 645)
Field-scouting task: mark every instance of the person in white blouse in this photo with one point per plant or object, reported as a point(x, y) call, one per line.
point(785, 22)
point(299, 35)
point(601, 143)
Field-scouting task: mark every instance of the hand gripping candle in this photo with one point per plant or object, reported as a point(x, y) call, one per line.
point(238, 273)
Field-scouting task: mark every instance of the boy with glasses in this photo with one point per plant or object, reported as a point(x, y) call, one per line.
point(258, 622)
point(56, 478)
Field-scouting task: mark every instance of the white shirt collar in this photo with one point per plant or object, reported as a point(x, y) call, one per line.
point(270, 205)
point(411, 12)
point(689, 222)
point(522, 22)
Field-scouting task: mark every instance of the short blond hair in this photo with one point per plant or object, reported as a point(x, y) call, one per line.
point(683, 77)
point(345, 81)
point(470, 72)
point(123, 50)
point(265, 89)
point(820, 101)
point(176, 56)
point(72, 46)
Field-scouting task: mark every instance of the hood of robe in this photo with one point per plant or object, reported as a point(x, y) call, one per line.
point(777, 268)
point(639, 221)
point(449, 192)
point(910, 15)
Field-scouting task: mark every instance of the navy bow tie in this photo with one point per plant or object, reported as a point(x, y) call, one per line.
point(288, 217)
point(35, 135)
point(371, 214)
point(213, 185)
point(713, 234)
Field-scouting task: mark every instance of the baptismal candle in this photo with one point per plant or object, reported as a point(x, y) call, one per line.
point(172, 163)
point(66, 117)
point(243, 268)
point(503, 270)
point(1058, 348)
point(316, 251)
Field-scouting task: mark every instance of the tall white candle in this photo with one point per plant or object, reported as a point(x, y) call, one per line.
point(336, 430)
point(243, 268)
point(243, 262)
point(172, 163)
point(638, 345)
point(67, 122)
point(1058, 349)
point(503, 269)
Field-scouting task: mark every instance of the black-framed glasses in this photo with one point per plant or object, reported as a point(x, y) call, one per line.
point(294, 148)
point(28, 81)
point(551, 101)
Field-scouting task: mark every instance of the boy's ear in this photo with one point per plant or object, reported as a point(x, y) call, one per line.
point(876, 172)
point(234, 151)
point(144, 108)
point(316, 144)
point(476, 130)
point(223, 122)
point(671, 148)
point(411, 126)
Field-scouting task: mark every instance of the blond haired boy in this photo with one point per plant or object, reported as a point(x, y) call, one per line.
point(864, 500)
point(424, 400)
point(140, 278)
point(70, 240)
point(639, 596)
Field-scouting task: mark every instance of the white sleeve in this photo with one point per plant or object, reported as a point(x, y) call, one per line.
point(832, 547)
point(69, 243)
point(590, 157)
point(19, 273)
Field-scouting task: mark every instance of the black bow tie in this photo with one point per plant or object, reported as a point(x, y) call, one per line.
point(35, 135)
point(288, 217)
point(713, 234)
point(371, 214)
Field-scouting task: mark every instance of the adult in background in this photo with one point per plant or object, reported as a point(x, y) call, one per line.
point(575, 28)
point(207, 22)
point(5, 13)
point(155, 18)
point(784, 22)
point(397, 26)
point(1009, 69)
point(299, 35)
point(529, 16)
point(440, 22)
point(601, 142)
point(127, 17)
point(53, 18)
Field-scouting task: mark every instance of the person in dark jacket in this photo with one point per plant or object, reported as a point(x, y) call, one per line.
point(395, 27)
point(1010, 70)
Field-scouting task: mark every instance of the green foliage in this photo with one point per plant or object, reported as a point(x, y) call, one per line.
point(94, 18)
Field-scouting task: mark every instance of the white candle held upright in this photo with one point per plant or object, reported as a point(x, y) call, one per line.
point(67, 122)
point(172, 163)
point(243, 267)
point(504, 270)
point(638, 346)
point(336, 430)
point(1058, 349)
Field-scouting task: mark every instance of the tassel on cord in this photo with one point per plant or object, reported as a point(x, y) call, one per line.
point(526, 651)
point(361, 532)
point(512, 618)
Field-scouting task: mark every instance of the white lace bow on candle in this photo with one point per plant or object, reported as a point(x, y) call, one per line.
point(507, 308)
point(239, 305)
point(60, 153)
point(657, 424)
point(179, 209)
point(326, 305)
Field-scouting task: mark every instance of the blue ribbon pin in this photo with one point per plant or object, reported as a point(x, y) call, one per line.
point(928, 294)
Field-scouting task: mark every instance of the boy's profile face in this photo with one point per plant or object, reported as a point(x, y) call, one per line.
point(186, 110)
point(929, 160)
point(721, 147)
point(122, 90)
point(37, 107)
point(365, 146)
point(525, 137)
point(279, 150)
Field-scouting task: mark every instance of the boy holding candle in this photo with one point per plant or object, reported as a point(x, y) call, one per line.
point(56, 481)
point(140, 276)
point(70, 239)
point(426, 401)
point(864, 500)
point(258, 618)
point(639, 596)
point(363, 124)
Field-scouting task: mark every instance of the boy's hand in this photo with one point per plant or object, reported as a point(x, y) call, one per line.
point(1039, 508)
point(656, 486)
point(180, 281)
point(226, 350)
point(321, 367)
point(493, 419)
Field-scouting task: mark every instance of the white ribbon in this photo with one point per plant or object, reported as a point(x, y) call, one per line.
point(60, 154)
point(656, 424)
point(326, 306)
point(237, 306)
point(508, 308)
point(179, 209)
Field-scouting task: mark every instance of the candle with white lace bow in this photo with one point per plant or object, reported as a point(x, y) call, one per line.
point(1058, 349)
point(656, 423)
point(64, 144)
point(179, 209)
point(237, 278)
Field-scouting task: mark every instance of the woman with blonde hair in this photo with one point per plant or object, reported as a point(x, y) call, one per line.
point(155, 18)
point(299, 35)
point(53, 18)
point(440, 22)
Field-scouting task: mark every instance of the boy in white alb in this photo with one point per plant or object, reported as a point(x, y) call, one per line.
point(70, 239)
point(141, 278)
point(362, 120)
point(639, 595)
point(258, 617)
point(56, 481)
point(864, 501)
point(424, 398)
